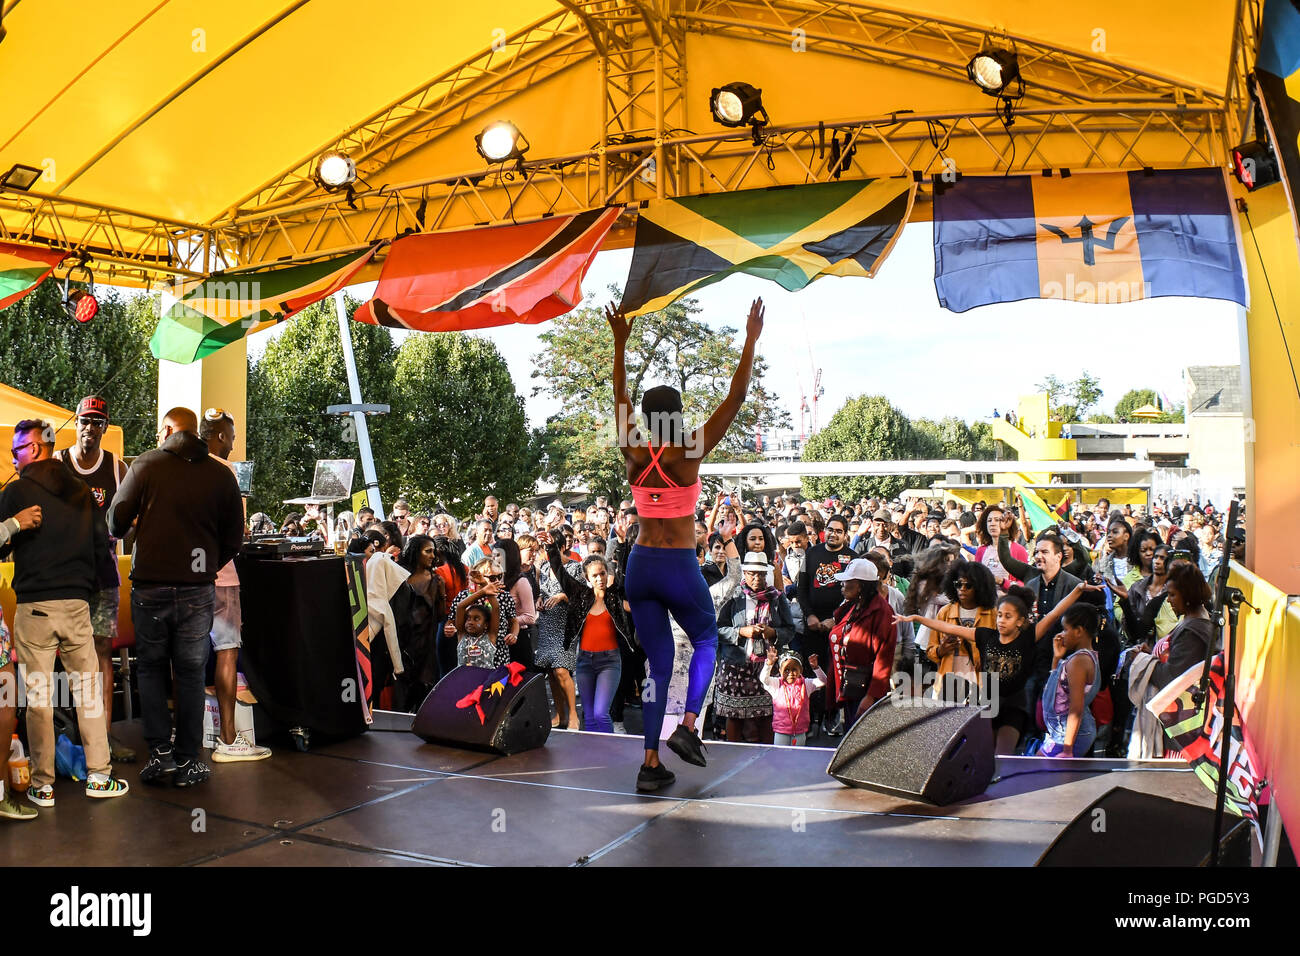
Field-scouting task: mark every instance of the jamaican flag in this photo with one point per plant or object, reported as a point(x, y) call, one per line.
point(1037, 512)
point(221, 309)
point(23, 268)
point(1277, 78)
point(789, 234)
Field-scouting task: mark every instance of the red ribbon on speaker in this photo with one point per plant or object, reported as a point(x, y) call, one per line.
point(474, 697)
point(516, 673)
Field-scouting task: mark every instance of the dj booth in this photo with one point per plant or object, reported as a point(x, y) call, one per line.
point(299, 654)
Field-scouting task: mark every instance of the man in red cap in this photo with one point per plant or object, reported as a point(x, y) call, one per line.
point(102, 472)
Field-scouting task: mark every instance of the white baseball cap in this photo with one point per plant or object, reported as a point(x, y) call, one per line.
point(859, 569)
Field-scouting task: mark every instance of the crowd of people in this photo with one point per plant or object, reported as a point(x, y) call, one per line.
point(1064, 633)
point(920, 597)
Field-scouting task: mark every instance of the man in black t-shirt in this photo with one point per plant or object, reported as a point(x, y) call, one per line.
point(820, 594)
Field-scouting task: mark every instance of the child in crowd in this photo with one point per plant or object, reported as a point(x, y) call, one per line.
point(1074, 681)
point(790, 693)
point(477, 627)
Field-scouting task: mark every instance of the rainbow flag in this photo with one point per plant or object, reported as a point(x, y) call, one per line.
point(221, 309)
point(23, 268)
point(1091, 237)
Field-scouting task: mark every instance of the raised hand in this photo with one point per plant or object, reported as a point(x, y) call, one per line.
point(812, 661)
point(754, 325)
point(620, 324)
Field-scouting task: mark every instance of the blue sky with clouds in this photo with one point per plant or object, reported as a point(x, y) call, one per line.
point(889, 336)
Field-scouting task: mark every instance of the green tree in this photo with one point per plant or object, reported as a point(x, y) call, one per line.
point(867, 428)
point(289, 386)
point(464, 431)
point(1096, 419)
point(1071, 401)
point(49, 354)
point(1134, 399)
point(670, 346)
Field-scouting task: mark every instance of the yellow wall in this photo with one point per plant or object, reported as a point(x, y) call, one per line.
point(1273, 420)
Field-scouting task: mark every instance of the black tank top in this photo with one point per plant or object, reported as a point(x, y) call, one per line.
point(102, 481)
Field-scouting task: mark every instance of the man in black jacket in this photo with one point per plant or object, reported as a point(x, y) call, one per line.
point(54, 575)
point(189, 522)
point(820, 594)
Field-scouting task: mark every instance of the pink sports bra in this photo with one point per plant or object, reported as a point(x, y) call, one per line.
point(673, 501)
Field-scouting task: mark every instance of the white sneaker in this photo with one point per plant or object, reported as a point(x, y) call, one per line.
point(619, 728)
point(241, 749)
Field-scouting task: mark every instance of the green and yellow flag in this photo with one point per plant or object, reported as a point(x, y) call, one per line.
point(1037, 512)
point(789, 234)
point(22, 269)
point(219, 310)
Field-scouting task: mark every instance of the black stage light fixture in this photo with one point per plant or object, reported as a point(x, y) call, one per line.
point(739, 104)
point(20, 177)
point(334, 170)
point(1255, 164)
point(500, 142)
point(993, 70)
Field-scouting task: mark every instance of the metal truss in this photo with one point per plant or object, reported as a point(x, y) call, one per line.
point(125, 247)
point(1080, 111)
point(914, 41)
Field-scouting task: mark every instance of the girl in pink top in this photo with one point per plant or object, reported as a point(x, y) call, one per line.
point(790, 693)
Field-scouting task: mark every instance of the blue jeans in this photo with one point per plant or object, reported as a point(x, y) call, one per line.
point(171, 635)
point(598, 676)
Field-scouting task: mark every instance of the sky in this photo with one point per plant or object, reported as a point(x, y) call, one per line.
point(888, 336)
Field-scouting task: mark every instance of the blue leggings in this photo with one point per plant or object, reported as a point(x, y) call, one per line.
point(662, 581)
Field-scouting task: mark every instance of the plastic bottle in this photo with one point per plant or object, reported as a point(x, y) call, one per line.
point(20, 773)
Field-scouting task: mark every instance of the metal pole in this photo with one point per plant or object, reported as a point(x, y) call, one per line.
point(1272, 830)
point(354, 391)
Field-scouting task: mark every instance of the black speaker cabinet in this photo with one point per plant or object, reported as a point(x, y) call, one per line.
point(921, 750)
point(506, 718)
point(1126, 828)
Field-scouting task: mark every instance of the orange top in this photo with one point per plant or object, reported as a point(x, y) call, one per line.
point(598, 633)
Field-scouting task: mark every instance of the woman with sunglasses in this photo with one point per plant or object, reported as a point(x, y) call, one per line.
point(972, 595)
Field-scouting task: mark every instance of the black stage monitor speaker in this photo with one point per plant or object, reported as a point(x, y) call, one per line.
point(1127, 828)
point(500, 711)
point(920, 750)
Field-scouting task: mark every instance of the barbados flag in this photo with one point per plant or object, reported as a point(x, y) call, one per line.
point(789, 234)
point(1277, 78)
point(1090, 237)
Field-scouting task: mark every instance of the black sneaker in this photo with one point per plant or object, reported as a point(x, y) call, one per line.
point(161, 765)
point(686, 744)
point(652, 778)
point(191, 772)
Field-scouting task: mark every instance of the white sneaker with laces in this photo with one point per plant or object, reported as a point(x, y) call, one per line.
point(619, 728)
point(241, 749)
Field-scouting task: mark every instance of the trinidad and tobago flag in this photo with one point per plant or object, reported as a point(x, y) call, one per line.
point(456, 281)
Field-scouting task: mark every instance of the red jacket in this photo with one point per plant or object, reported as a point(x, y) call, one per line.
point(864, 641)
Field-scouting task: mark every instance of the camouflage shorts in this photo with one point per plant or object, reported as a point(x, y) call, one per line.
point(6, 644)
point(103, 613)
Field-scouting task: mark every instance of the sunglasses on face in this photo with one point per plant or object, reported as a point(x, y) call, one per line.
point(19, 448)
point(964, 586)
point(89, 422)
point(495, 577)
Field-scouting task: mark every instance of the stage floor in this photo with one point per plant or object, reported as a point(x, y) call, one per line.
point(388, 799)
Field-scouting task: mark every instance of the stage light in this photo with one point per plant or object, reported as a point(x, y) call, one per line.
point(738, 104)
point(1255, 164)
point(994, 70)
point(80, 304)
point(499, 142)
point(20, 177)
point(335, 170)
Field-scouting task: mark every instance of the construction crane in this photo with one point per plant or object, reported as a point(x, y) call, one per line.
point(817, 392)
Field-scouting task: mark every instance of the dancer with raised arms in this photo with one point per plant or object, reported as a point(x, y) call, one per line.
point(663, 574)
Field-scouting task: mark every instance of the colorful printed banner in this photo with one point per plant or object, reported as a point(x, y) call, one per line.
point(1198, 733)
point(1092, 237)
point(791, 235)
point(219, 310)
point(23, 268)
point(457, 281)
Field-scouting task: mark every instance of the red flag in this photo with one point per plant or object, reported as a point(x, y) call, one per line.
point(456, 281)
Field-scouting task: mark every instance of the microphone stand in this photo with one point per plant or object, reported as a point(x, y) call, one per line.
point(1231, 599)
